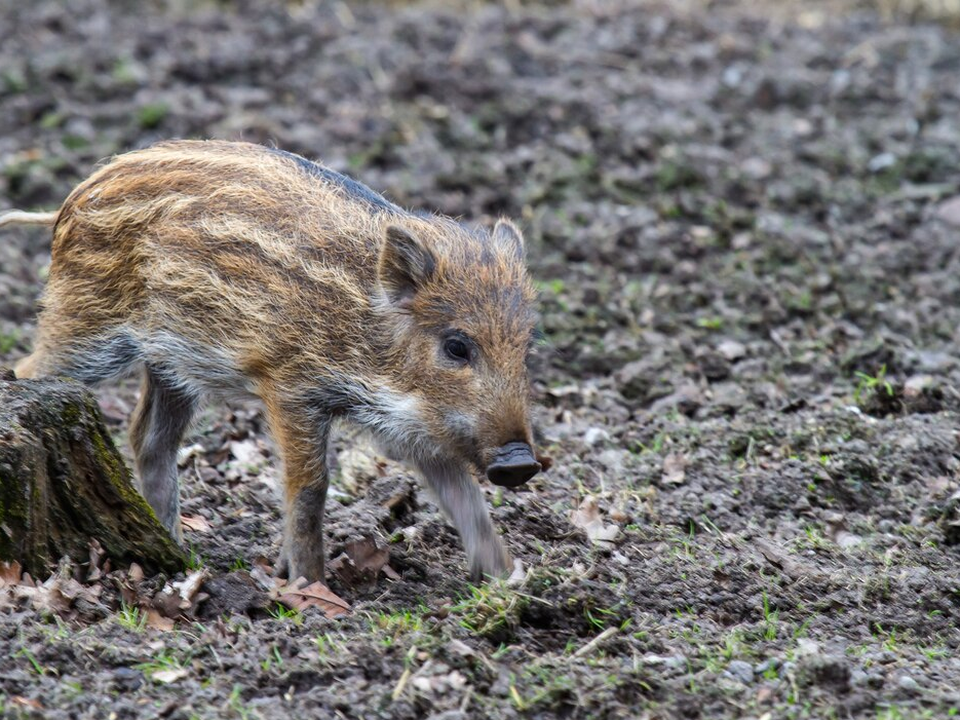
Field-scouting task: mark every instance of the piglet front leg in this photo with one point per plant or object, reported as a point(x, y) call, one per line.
point(302, 442)
point(463, 503)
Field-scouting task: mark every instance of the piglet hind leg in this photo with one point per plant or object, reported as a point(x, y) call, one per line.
point(161, 418)
point(463, 503)
point(303, 444)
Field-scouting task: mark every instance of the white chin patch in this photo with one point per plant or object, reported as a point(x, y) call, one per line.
point(398, 427)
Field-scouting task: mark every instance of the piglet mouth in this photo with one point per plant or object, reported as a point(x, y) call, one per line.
point(513, 465)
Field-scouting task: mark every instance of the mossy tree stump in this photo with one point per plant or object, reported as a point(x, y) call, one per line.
point(63, 483)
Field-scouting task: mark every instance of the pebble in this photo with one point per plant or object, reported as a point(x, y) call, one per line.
point(613, 460)
point(668, 661)
point(881, 162)
point(917, 384)
point(731, 350)
point(127, 679)
point(949, 211)
point(740, 670)
point(908, 683)
point(595, 436)
point(861, 678)
point(807, 647)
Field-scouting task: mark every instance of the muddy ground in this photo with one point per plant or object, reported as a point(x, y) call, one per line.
point(751, 297)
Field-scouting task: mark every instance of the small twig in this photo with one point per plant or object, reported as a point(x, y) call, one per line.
point(467, 696)
point(535, 599)
point(405, 676)
point(596, 642)
point(401, 684)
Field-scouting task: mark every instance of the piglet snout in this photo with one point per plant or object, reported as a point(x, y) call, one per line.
point(513, 465)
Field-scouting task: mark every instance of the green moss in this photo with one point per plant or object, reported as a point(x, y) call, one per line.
point(13, 510)
point(70, 414)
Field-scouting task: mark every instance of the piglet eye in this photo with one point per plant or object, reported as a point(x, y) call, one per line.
point(456, 349)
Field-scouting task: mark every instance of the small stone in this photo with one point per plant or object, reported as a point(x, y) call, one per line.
point(915, 385)
point(756, 168)
point(802, 127)
point(847, 540)
point(209, 474)
point(458, 647)
point(822, 670)
point(807, 647)
point(595, 436)
point(949, 211)
point(127, 679)
point(881, 162)
point(909, 684)
point(674, 469)
point(886, 657)
point(886, 526)
point(740, 670)
point(732, 76)
point(668, 661)
point(731, 350)
point(613, 460)
point(714, 366)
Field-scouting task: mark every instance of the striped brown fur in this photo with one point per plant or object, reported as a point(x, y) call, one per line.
point(230, 270)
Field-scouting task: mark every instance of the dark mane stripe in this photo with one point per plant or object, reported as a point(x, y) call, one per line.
point(350, 187)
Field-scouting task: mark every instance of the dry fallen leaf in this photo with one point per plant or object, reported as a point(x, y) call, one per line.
point(361, 563)
point(587, 517)
point(96, 555)
point(168, 676)
point(299, 596)
point(190, 586)
point(391, 573)
point(26, 702)
point(167, 602)
point(546, 462)
point(159, 622)
point(247, 453)
point(674, 469)
point(197, 523)
point(46, 598)
point(70, 588)
point(9, 573)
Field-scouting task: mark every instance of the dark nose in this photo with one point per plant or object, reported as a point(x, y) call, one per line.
point(513, 465)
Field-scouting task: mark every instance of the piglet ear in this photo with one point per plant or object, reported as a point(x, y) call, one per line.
point(508, 236)
point(406, 264)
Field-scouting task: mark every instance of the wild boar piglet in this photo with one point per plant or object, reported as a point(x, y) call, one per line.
point(233, 271)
